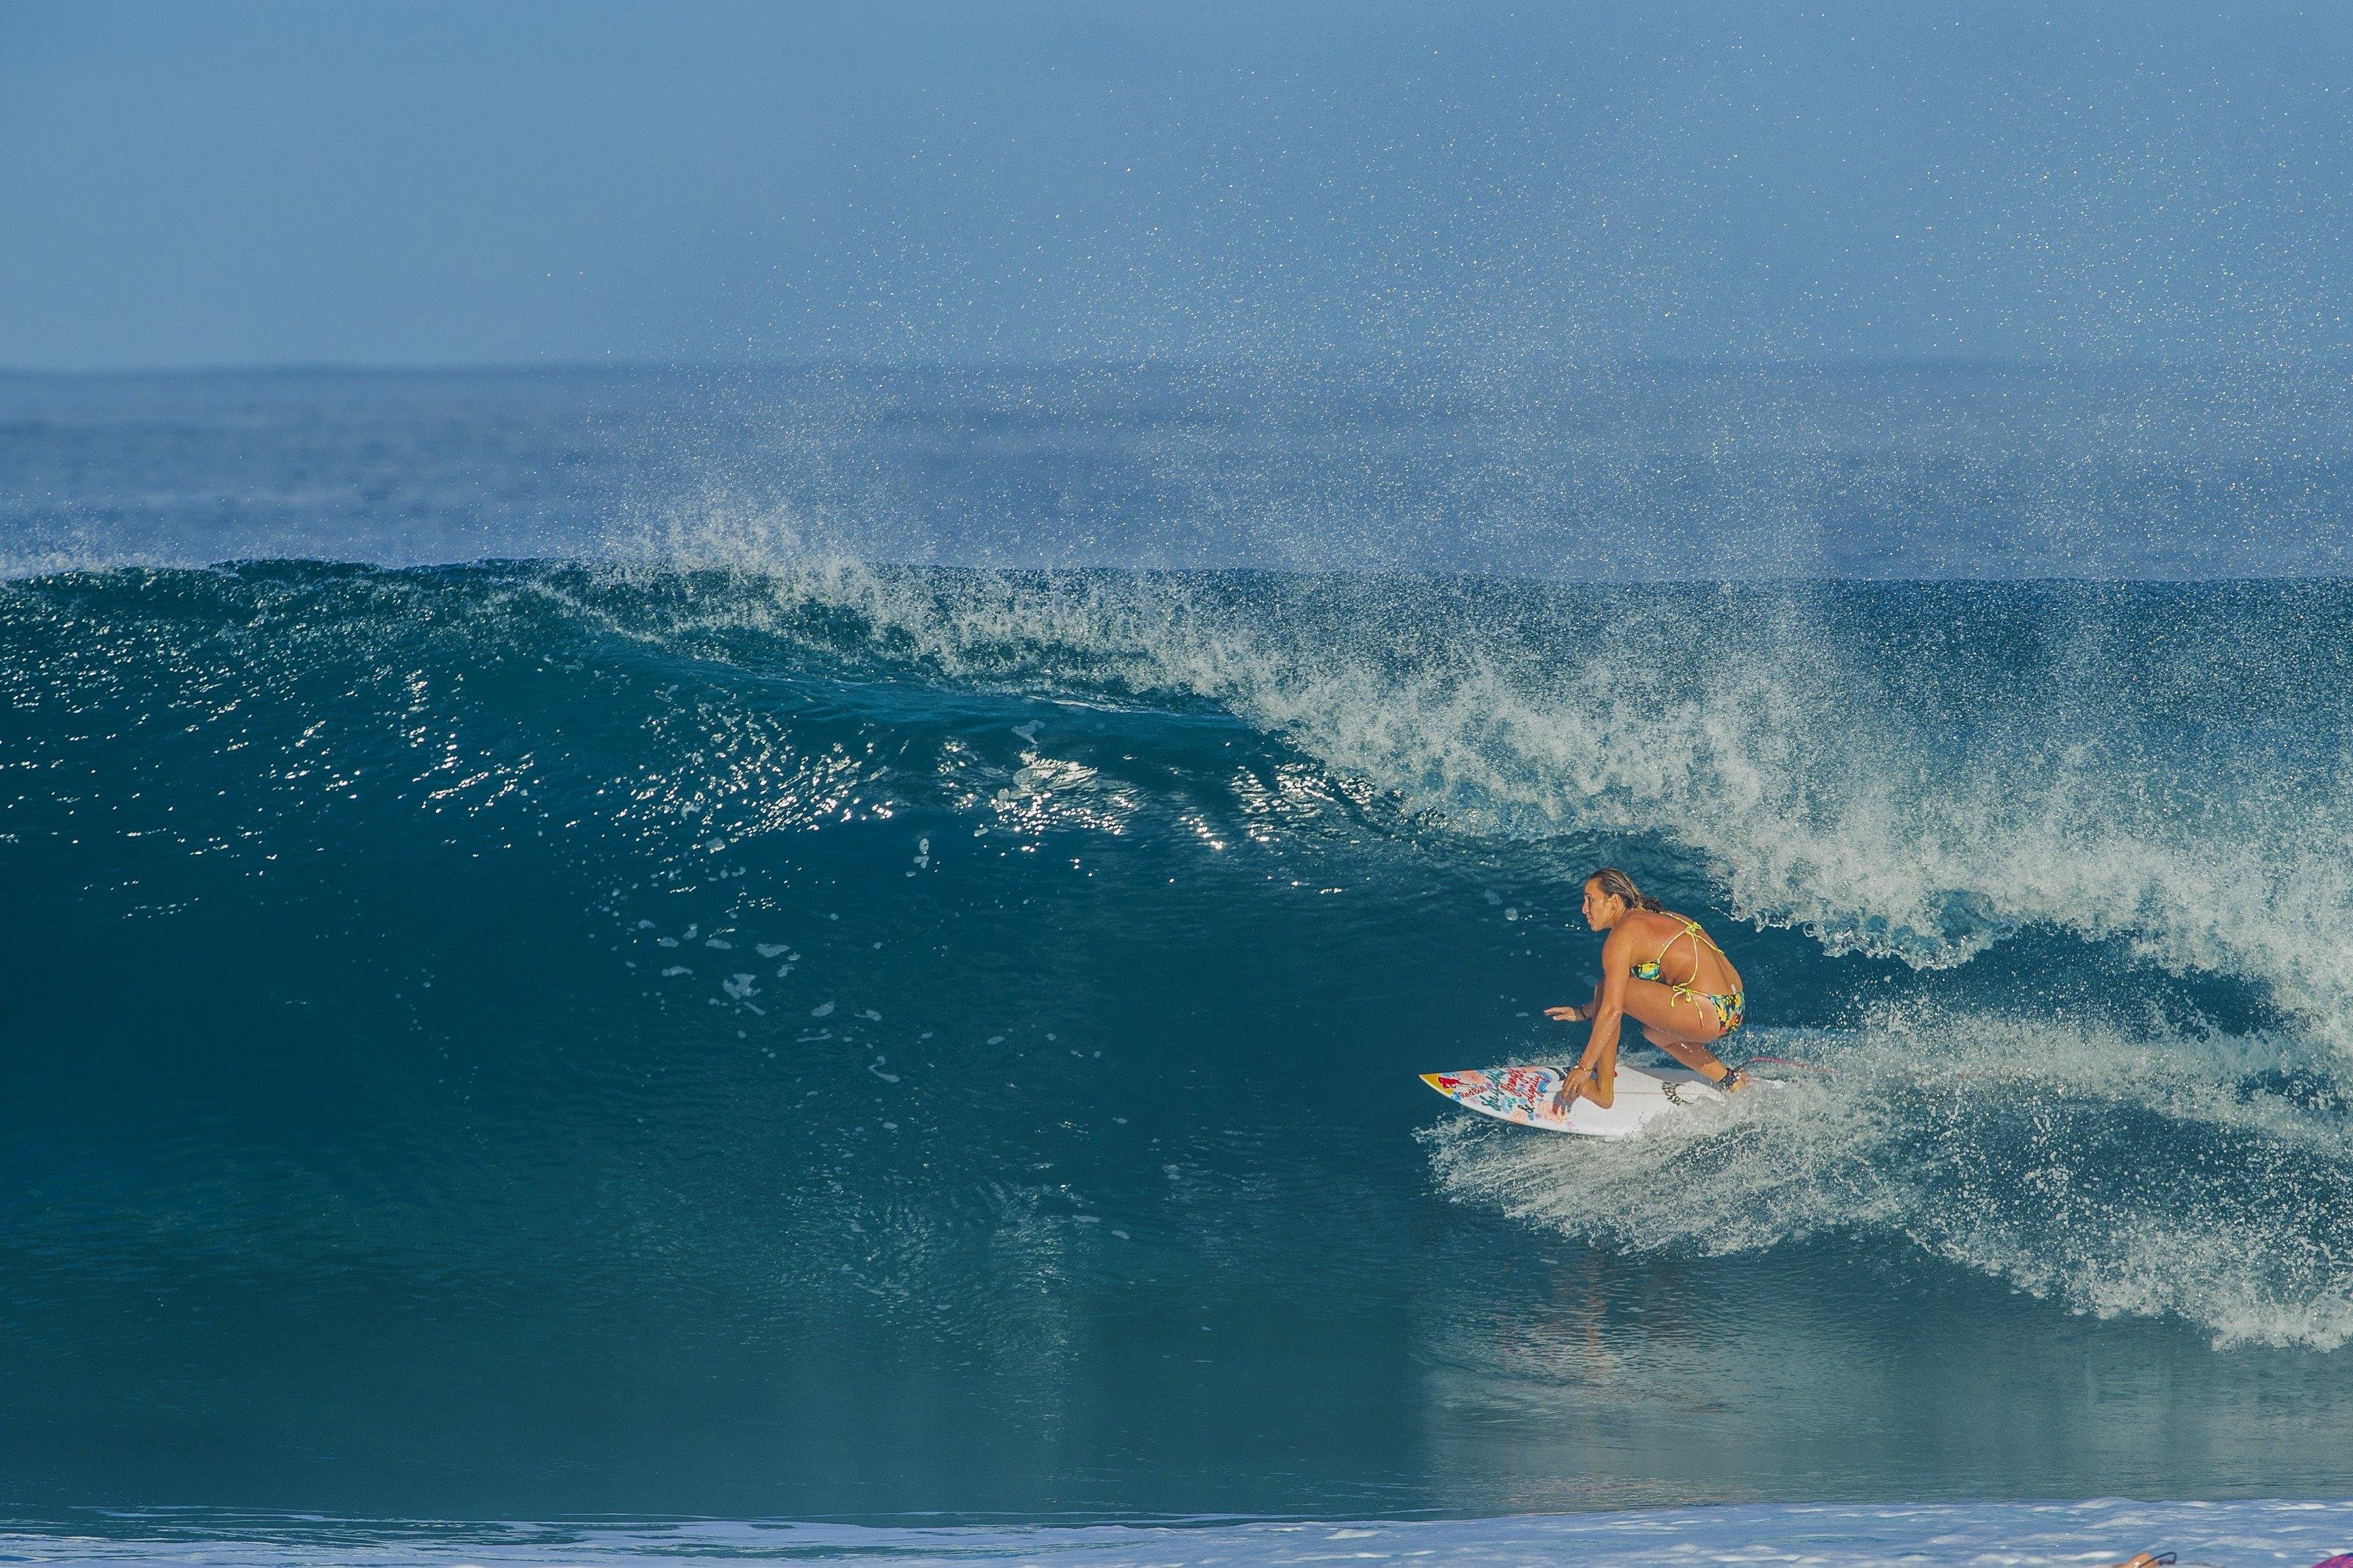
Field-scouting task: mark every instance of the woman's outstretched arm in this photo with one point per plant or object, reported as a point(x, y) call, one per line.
point(1595, 1074)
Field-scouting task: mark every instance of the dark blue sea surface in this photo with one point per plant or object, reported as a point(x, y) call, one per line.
point(856, 946)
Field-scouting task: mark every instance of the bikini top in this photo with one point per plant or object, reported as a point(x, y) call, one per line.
point(1650, 971)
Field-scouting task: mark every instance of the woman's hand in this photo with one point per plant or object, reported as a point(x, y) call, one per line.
point(1565, 1015)
point(1579, 1081)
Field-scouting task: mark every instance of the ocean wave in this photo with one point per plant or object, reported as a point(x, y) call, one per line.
point(1909, 774)
point(650, 729)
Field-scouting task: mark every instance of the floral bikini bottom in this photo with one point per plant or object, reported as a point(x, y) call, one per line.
point(1730, 1009)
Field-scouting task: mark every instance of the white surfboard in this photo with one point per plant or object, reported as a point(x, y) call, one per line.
point(1529, 1096)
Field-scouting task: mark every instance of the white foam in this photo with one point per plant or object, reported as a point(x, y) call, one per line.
point(2073, 1162)
point(2244, 1534)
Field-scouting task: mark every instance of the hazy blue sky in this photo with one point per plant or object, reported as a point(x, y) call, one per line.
point(185, 184)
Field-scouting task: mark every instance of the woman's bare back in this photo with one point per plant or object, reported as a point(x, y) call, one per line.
point(1686, 956)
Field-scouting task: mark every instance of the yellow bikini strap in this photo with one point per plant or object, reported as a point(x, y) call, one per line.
point(1691, 927)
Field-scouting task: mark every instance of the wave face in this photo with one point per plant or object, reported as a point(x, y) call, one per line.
point(740, 1031)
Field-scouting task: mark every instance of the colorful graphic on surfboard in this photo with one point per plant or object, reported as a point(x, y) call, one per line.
point(1528, 1096)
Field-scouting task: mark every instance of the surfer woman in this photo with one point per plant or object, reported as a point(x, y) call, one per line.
point(1663, 971)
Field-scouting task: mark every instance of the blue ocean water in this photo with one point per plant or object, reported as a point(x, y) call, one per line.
point(854, 946)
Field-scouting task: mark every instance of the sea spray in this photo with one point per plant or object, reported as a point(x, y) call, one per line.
point(1912, 773)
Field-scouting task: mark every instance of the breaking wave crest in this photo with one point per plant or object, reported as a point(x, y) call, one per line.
point(1913, 772)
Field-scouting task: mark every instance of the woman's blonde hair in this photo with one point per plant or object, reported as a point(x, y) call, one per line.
point(1616, 884)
